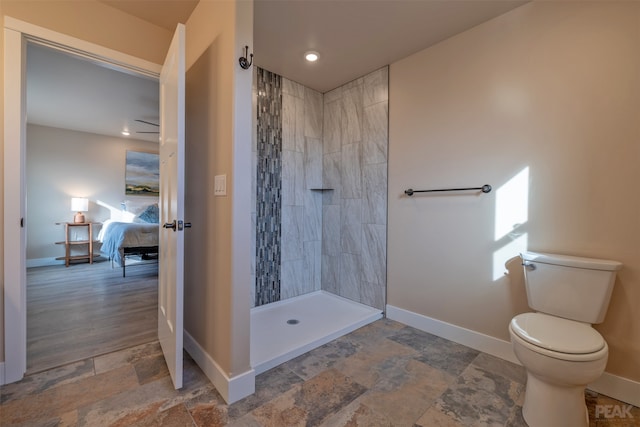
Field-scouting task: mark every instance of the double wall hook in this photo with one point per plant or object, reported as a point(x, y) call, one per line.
point(244, 63)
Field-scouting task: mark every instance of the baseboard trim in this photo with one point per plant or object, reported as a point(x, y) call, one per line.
point(617, 387)
point(620, 388)
point(231, 389)
point(476, 340)
point(43, 262)
point(1, 373)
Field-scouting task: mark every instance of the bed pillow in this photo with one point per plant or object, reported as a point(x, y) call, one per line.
point(151, 214)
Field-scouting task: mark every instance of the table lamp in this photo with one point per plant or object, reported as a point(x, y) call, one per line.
point(79, 205)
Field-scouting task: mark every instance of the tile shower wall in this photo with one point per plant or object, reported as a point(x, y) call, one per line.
point(354, 213)
point(301, 206)
point(333, 183)
point(298, 248)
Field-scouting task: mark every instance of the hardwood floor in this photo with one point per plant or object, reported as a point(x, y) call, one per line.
point(86, 310)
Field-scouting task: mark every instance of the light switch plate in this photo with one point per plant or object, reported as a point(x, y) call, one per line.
point(220, 185)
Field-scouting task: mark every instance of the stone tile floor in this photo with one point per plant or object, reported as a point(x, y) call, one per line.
point(385, 374)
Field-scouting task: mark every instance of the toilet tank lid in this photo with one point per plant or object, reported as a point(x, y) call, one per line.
point(571, 261)
point(557, 334)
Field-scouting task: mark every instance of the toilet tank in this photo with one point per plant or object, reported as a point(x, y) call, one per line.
point(572, 287)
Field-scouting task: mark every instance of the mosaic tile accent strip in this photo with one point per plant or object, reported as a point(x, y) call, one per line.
point(268, 188)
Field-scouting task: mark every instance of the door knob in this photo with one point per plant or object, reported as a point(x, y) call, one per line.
point(177, 225)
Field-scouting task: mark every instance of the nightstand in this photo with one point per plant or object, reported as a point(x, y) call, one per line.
point(72, 229)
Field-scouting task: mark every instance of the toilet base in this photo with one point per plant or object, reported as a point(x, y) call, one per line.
point(551, 405)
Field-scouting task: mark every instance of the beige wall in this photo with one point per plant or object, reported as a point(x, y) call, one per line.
point(95, 22)
point(552, 87)
point(62, 164)
point(216, 287)
point(91, 21)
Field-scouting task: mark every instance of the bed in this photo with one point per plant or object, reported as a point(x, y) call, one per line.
point(124, 239)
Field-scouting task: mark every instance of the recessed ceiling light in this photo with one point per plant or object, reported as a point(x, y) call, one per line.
point(311, 56)
point(125, 133)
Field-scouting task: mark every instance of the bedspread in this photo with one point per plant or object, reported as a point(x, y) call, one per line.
point(118, 235)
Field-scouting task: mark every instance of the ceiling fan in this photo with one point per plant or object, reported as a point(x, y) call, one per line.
point(148, 123)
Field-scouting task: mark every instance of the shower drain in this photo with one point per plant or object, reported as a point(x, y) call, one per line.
point(293, 322)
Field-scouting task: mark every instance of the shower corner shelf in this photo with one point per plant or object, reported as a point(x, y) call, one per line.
point(321, 189)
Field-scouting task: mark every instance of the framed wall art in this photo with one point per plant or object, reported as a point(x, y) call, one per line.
point(142, 174)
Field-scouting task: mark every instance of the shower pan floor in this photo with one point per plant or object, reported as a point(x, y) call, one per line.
point(286, 329)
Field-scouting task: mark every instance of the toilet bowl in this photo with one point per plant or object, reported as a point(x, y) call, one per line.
point(561, 357)
point(557, 345)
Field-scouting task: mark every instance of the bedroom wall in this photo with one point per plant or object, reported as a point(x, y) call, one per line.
point(62, 164)
point(542, 103)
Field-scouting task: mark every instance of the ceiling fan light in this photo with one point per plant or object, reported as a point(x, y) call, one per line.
point(311, 56)
point(125, 133)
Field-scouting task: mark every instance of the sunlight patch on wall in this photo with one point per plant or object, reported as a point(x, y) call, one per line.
point(117, 214)
point(512, 204)
point(505, 253)
point(512, 213)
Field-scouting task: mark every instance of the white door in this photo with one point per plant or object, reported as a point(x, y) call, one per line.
point(171, 267)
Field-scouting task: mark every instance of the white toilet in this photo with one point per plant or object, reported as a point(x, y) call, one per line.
point(559, 349)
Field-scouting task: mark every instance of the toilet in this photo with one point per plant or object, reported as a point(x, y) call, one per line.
point(556, 344)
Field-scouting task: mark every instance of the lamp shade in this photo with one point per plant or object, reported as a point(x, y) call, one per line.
point(79, 204)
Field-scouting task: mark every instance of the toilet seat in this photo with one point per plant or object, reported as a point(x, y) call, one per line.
point(558, 338)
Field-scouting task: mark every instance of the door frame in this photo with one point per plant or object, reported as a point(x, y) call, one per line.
point(16, 36)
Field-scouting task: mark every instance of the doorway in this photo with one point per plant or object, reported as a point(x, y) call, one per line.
point(84, 122)
point(17, 35)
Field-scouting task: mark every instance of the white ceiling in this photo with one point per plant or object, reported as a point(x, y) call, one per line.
point(357, 37)
point(68, 92)
point(353, 37)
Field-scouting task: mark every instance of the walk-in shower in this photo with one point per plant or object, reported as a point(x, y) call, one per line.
point(319, 213)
